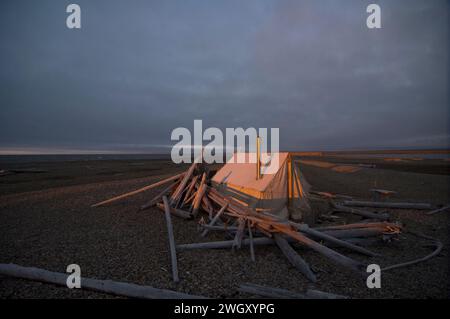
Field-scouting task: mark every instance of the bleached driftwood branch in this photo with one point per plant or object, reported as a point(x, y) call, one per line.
point(105, 286)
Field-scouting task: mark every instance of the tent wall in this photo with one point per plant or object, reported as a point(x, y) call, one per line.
point(284, 193)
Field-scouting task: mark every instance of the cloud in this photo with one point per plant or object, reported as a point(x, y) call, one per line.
point(136, 71)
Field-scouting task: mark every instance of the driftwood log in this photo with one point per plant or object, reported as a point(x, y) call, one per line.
point(360, 212)
point(357, 203)
point(175, 211)
point(294, 258)
point(189, 191)
point(438, 210)
point(214, 220)
point(324, 236)
point(173, 252)
point(239, 234)
point(252, 247)
point(261, 241)
point(354, 233)
point(219, 227)
point(224, 244)
point(177, 193)
point(140, 190)
point(327, 195)
point(271, 292)
point(438, 249)
point(198, 196)
point(158, 197)
point(105, 286)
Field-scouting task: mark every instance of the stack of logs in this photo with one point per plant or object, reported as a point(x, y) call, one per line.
point(190, 194)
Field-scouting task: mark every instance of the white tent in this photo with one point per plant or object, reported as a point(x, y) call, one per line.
point(284, 192)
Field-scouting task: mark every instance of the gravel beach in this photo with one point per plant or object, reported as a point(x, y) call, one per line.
point(46, 221)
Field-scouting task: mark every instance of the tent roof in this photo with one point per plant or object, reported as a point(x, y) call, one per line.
point(244, 174)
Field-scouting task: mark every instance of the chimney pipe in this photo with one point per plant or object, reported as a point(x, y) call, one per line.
point(258, 158)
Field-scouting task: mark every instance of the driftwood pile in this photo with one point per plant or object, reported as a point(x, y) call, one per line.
point(190, 195)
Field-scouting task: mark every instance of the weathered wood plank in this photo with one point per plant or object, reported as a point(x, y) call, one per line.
point(214, 220)
point(105, 286)
point(172, 246)
point(357, 203)
point(137, 191)
point(295, 259)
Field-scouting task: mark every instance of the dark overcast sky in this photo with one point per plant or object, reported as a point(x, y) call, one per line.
point(138, 69)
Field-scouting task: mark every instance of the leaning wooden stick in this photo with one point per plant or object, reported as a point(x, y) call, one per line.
point(173, 253)
point(140, 190)
point(314, 233)
point(155, 199)
point(176, 195)
point(333, 255)
point(239, 233)
point(105, 286)
point(438, 210)
point(438, 249)
point(198, 196)
point(189, 191)
point(250, 237)
point(214, 220)
point(175, 211)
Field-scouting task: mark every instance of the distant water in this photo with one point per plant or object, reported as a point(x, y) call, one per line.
point(402, 155)
point(76, 158)
point(117, 157)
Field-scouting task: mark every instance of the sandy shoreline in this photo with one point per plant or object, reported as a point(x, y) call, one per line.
point(46, 221)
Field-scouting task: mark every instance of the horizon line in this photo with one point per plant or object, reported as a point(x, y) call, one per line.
point(68, 152)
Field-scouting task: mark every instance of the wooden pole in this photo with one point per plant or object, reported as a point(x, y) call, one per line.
point(333, 255)
point(360, 212)
point(175, 211)
point(140, 190)
point(438, 210)
point(177, 193)
point(155, 199)
point(198, 196)
point(215, 218)
point(220, 227)
point(314, 233)
point(354, 233)
point(173, 253)
point(105, 286)
point(224, 244)
point(258, 158)
point(272, 292)
point(295, 259)
point(239, 233)
point(357, 203)
point(438, 249)
point(259, 241)
point(189, 190)
point(250, 238)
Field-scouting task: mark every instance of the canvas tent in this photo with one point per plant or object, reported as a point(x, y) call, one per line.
point(284, 192)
